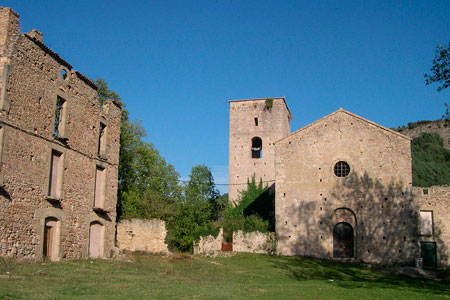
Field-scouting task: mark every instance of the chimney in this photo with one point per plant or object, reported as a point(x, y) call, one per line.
point(35, 34)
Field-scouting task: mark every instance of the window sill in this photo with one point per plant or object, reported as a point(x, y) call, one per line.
point(100, 210)
point(61, 139)
point(53, 199)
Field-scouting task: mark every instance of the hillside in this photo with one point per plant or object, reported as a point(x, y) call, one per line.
point(415, 129)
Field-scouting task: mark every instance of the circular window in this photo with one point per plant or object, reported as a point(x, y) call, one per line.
point(341, 169)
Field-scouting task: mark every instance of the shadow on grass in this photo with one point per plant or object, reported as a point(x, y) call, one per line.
point(354, 275)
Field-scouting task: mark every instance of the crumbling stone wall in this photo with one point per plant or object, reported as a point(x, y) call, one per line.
point(31, 81)
point(142, 235)
point(254, 242)
point(437, 200)
point(209, 245)
point(272, 124)
point(374, 199)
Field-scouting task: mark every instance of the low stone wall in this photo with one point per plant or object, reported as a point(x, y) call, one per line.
point(437, 200)
point(254, 242)
point(209, 245)
point(142, 235)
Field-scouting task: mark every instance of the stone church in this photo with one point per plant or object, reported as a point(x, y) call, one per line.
point(59, 153)
point(343, 186)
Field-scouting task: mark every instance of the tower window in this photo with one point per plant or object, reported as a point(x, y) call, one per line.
point(256, 121)
point(256, 147)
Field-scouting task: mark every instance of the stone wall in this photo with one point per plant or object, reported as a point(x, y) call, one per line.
point(272, 125)
point(254, 242)
point(142, 235)
point(31, 81)
point(437, 200)
point(374, 199)
point(209, 245)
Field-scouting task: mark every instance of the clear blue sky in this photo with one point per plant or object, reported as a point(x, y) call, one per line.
point(177, 63)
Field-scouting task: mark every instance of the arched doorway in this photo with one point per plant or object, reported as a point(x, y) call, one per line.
point(95, 239)
point(51, 240)
point(343, 244)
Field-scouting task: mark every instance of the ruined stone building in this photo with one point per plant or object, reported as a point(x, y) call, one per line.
point(59, 153)
point(343, 186)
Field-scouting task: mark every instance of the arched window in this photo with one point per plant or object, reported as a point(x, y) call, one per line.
point(343, 241)
point(256, 147)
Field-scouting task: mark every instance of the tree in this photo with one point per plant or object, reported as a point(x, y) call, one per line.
point(148, 186)
point(440, 72)
point(430, 161)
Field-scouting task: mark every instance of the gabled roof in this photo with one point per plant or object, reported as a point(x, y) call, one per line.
point(253, 99)
point(341, 110)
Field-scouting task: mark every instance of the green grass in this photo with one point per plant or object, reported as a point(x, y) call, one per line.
point(243, 276)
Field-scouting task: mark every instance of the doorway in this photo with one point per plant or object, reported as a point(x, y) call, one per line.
point(343, 244)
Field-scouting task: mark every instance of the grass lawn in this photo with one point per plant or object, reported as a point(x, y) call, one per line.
point(244, 276)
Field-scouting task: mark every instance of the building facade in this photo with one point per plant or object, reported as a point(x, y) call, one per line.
point(343, 188)
point(59, 153)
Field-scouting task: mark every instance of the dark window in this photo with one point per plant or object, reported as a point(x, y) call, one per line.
point(341, 169)
point(256, 121)
point(57, 129)
point(256, 147)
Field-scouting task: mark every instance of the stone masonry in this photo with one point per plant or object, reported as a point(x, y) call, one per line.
point(59, 153)
point(251, 119)
point(343, 187)
point(142, 235)
point(374, 198)
point(435, 199)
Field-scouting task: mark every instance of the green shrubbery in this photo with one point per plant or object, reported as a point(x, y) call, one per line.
point(430, 161)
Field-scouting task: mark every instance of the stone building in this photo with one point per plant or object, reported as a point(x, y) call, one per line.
point(255, 126)
point(59, 153)
point(343, 186)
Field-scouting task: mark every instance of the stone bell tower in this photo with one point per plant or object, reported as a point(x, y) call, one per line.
point(255, 126)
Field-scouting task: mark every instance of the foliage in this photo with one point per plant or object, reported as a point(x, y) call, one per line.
point(196, 211)
point(240, 217)
point(243, 276)
point(430, 161)
point(440, 72)
point(413, 125)
point(104, 92)
point(148, 186)
point(268, 104)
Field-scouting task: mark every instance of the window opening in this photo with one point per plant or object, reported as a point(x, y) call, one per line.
point(256, 147)
point(256, 121)
point(341, 169)
point(101, 139)
point(55, 178)
point(58, 126)
point(99, 187)
point(426, 222)
point(63, 74)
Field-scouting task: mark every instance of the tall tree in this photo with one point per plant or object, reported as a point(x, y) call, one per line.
point(440, 72)
point(148, 186)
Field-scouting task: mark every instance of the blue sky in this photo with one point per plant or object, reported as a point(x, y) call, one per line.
point(177, 63)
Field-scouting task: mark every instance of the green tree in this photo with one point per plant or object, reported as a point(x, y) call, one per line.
point(196, 211)
point(148, 186)
point(430, 161)
point(440, 72)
